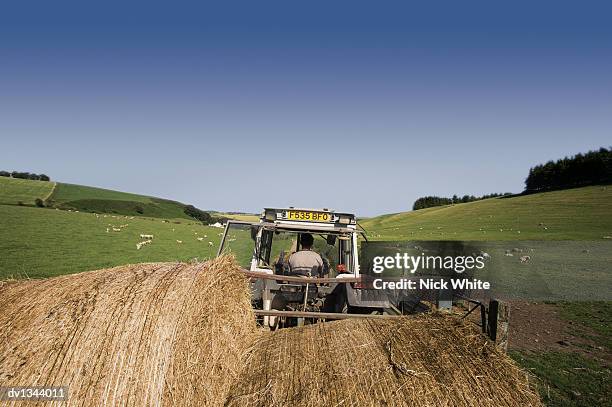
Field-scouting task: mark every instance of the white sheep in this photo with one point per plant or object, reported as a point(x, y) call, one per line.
point(199, 238)
point(179, 241)
point(143, 243)
point(525, 259)
point(210, 243)
point(143, 236)
point(116, 230)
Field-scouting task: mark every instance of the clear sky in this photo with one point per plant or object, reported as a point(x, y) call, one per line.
point(357, 106)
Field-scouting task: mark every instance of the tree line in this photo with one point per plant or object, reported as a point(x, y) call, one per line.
point(431, 201)
point(25, 175)
point(592, 168)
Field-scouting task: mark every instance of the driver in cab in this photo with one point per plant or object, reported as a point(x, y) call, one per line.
point(306, 262)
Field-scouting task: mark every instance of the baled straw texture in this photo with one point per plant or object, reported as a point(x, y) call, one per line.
point(432, 360)
point(149, 334)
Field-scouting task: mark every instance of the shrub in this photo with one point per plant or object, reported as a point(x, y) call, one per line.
point(39, 202)
point(5, 174)
point(198, 214)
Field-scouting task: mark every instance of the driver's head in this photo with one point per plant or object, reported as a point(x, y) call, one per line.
point(306, 240)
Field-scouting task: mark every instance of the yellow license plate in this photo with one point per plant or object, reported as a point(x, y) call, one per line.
point(309, 216)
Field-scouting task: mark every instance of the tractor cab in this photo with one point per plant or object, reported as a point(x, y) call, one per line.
point(284, 298)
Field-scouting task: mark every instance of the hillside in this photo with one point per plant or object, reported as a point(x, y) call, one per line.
point(91, 199)
point(15, 191)
point(43, 242)
point(574, 214)
point(39, 242)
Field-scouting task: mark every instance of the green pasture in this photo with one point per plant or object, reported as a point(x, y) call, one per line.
point(574, 214)
point(43, 242)
point(90, 199)
point(15, 191)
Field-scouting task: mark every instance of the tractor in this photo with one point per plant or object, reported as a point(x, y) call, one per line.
point(281, 299)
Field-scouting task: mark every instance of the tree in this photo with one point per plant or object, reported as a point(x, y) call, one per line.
point(591, 168)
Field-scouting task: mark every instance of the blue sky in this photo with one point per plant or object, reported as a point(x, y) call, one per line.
point(358, 106)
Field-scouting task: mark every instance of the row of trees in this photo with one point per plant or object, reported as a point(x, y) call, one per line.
point(592, 168)
point(25, 175)
point(430, 201)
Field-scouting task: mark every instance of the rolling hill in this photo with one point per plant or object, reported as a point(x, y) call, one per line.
point(82, 198)
point(15, 191)
point(573, 214)
point(41, 242)
point(91, 199)
point(75, 232)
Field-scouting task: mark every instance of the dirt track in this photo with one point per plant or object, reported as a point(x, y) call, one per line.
point(181, 334)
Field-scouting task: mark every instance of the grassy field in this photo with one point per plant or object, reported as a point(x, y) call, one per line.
point(574, 214)
point(246, 217)
point(15, 190)
point(45, 242)
point(90, 199)
point(567, 379)
point(42, 242)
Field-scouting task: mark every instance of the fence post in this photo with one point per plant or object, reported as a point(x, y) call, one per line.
point(498, 321)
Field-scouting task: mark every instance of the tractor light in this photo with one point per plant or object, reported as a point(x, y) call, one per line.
point(341, 268)
point(344, 220)
point(270, 216)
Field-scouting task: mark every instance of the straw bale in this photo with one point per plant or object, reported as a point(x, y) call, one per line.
point(148, 334)
point(431, 360)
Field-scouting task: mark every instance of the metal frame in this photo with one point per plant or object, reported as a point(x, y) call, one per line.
point(477, 305)
point(320, 315)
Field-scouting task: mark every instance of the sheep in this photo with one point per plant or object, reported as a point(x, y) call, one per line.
point(116, 229)
point(199, 239)
point(179, 241)
point(142, 236)
point(143, 243)
point(210, 243)
point(525, 259)
point(107, 230)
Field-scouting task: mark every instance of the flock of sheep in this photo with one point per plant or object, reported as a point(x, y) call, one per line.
point(147, 238)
